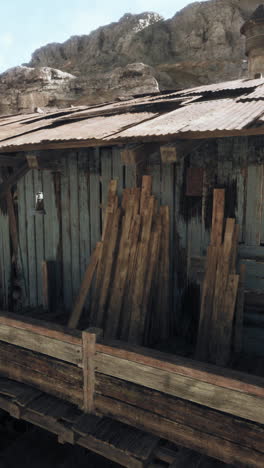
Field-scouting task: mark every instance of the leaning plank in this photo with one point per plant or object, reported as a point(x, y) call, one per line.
point(222, 277)
point(85, 287)
point(225, 326)
point(42, 344)
point(147, 207)
point(207, 302)
point(108, 258)
point(152, 265)
point(204, 372)
point(246, 406)
point(218, 216)
point(121, 270)
point(131, 273)
point(180, 434)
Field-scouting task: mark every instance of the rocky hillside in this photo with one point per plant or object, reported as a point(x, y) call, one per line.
point(136, 55)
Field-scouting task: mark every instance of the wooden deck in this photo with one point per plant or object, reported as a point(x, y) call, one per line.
point(49, 372)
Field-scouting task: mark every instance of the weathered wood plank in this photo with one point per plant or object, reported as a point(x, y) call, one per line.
point(66, 238)
point(106, 171)
point(239, 313)
point(218, 216)
point(40, 327)
point(84, 208)
point(254, 204)
point(118, 170)
point(22, 220)
point(74, 223)
point(31, 238)
point(204, 372)
point(228, 401)
point(5, 258)
point(95, 201)
point(85, 287)
point(42, 344)
point(39, 232)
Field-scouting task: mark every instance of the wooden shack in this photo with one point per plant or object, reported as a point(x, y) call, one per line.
point(55, 170)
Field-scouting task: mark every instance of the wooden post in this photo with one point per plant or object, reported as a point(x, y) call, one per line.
point(88, 349)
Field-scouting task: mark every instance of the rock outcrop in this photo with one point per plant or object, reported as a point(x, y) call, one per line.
point(22, 89)
point(138, 54)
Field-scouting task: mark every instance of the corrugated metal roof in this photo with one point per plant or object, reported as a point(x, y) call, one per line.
point(225, 86)
point(224, 114)
point(258, 93)
point(96, 128)
point(199, 109)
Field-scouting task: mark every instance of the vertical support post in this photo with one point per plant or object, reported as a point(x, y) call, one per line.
point(88, 348)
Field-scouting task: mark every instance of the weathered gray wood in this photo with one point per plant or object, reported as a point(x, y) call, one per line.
point(31, 238)
point(228, 401)
point(118, 170)
point(131, 176)
point(52, 219)
point(74, 224)
point(254, 274)
point(254, 205)
point(21, 204)
point(66, 235)
point(95, 202)
point(5, 258)
point(106, 171)
point(39, 230)
point(84, 208)
point(154, 169)
point(42, 344)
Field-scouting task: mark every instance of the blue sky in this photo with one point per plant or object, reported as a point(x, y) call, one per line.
point(29, 24)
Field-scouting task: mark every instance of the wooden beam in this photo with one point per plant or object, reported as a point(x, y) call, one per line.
point(174, 152)
point(210, 373)
point(32, 161)
point(134, 154)
point(125, 140)
point(237, 403)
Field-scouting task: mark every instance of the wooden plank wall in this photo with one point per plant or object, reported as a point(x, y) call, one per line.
point(5, 260)
point(75, 198)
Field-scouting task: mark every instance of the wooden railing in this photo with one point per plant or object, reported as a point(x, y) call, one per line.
point(214, 410)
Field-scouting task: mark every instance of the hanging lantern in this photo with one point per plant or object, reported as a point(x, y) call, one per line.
point(39, 206)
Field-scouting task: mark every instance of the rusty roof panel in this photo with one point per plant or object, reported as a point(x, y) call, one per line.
point(225, 86)
point(90, 129)
point(224, 114)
